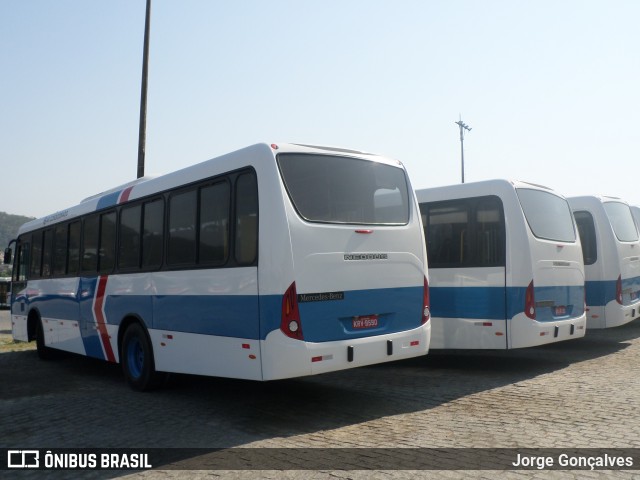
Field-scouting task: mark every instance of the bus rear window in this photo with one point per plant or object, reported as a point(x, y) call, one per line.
point(621, 220)
point(332, 189)
point(548, 215)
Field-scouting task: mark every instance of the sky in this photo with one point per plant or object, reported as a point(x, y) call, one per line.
point(550, 89)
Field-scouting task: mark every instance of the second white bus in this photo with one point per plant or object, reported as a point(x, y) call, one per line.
point(505, 266)
point(274, 261)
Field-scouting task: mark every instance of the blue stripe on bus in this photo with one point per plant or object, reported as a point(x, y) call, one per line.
point(601, 292)
point(108, 200)
point(221, 315)
point(398, 309)
point(468, 302)
point(237, 316)
point(500, 303)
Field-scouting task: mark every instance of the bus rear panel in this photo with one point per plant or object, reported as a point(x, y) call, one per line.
point(505, 262)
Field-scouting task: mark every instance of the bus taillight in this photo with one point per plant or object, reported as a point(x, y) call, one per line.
point(290, 323)
point(426, 313)
point(619, 290)
point(530, 302)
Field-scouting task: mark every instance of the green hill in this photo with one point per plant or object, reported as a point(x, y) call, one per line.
point(9, 225)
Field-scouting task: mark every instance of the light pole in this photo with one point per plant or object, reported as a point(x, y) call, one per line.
point(142, 135)
point(463, 127)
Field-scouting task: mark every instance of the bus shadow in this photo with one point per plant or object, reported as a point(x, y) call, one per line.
point(203, 412)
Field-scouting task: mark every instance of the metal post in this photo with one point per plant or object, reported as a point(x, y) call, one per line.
point(463, 127)
point(142, 136)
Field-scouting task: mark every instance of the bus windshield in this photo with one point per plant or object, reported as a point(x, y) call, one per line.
point(621, 220)
point(331, 189)
point(548, 215)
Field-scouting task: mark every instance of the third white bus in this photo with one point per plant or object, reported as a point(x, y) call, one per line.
point(505, 266)
point(612, 259)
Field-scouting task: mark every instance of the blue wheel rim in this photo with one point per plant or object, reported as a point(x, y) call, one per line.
point(135, 357)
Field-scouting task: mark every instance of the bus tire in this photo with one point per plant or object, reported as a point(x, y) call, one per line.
point(44, 352)
point(137, 360)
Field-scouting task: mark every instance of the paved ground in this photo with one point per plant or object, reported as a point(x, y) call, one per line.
point(578, 394)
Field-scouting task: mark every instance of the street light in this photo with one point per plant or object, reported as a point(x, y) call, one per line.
point(463, 126)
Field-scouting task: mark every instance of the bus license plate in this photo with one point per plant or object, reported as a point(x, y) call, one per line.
point(560, 311)
point(365, 321)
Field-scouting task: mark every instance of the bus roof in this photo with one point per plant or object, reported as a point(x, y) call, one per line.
point(149, 185)
point(484, 187)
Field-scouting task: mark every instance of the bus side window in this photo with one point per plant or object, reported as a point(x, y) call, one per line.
point(246, 241)
point(22, 262)
point(60, 239)
point(182, 228)
point(587, 232)
point(107, 252)
point(214, 224)
point(47, 252)
point(447, 240)
point(90, 239)
point(73, 249)
point(152, 233)
point(36, 255)
point(490, 233)
point(129, 249)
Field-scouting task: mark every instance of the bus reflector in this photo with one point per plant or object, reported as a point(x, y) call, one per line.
point(415, 343)
point(316, 359)
point(246, 345)
point(530, 302)
point(290, 321)
point(619, 290)
point(426, 313)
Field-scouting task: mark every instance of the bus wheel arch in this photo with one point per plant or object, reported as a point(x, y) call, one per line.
point(35, 331)
point(33, 319)
point(136, 356)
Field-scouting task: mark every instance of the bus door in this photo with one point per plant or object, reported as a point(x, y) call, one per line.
point(18, 300)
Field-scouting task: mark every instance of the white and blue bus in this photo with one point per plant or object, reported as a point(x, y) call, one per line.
point(274, 261)
point(505, 266)
point(611, 250)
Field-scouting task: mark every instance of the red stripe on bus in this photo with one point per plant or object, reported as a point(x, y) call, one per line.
point(124, 196)
point(100, 321)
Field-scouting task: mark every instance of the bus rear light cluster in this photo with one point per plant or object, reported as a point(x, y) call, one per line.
point(619, 290)
point(290, 320)
point(530, 302)
point(426, 312)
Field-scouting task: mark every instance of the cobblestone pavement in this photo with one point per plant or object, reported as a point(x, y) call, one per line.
point(578, 394)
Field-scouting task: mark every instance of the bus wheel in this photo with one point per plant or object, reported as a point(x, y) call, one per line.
point(137, 360)
point(44, 352)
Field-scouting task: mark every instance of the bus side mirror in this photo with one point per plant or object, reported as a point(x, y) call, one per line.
point(7, 256)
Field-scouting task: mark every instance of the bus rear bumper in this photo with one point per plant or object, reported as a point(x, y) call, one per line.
point(613, 315)
point(530, 333)
point(283, 357)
